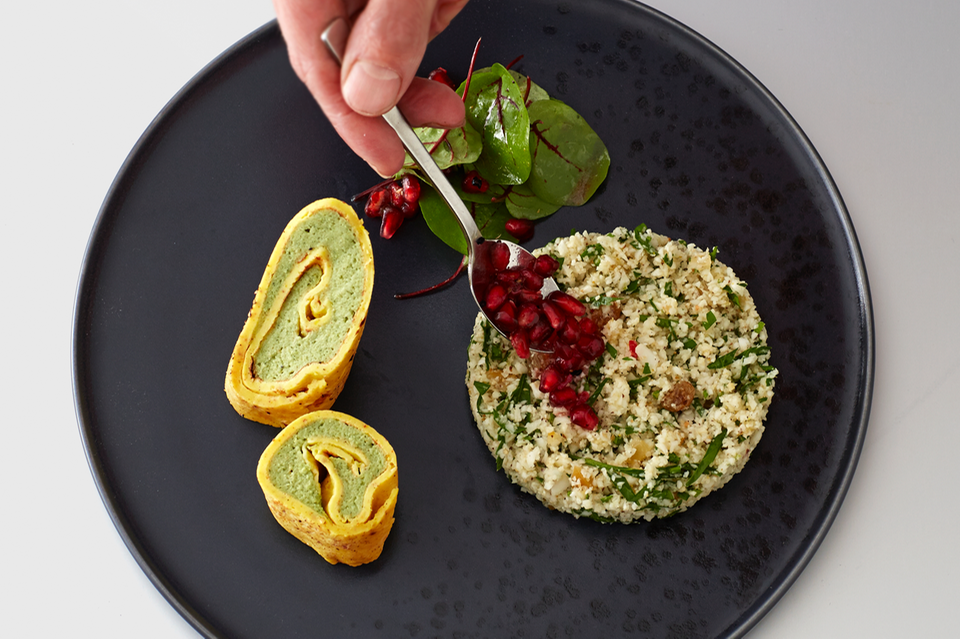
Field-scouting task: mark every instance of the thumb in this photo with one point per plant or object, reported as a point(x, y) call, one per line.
point(386, 45)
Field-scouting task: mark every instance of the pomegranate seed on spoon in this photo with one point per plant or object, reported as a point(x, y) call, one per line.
point(569, 304)
point(500, 256)
point(528, 315)
point(554, 314)
point(496, 296)
point(521, 343)
point(546, 266)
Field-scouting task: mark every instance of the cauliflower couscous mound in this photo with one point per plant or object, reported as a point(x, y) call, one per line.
point(681, 391)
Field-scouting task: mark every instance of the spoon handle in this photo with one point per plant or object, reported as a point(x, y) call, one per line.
point(335, 38)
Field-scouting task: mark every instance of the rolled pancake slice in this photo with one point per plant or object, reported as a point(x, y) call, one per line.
point(331, 481)
point(298, 342)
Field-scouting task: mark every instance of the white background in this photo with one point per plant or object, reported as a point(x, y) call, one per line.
point(874, 84)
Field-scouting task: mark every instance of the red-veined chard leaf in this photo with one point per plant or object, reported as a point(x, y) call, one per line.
point(495, 108)
point(459, 146)
point(570, 161)
point(530, 90)
point(490, 219)
point(524, 204)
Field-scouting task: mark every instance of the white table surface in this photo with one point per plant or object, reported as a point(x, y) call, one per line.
point(875, 86)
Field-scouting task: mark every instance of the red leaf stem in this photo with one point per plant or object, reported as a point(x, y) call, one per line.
point(362, 194)
point(466, 88)
point(515, 60)
point(435, 287)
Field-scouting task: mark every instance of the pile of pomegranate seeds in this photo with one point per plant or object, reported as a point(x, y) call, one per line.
point(557, 324)
point(393, 202)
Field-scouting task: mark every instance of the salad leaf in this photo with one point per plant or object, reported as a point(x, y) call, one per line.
point(570, 160)
point(530, 89)
point(535, 153)
point(495, 107)
point(524, 204)
point(459, 146)
point(442, 221)
point(491, 219)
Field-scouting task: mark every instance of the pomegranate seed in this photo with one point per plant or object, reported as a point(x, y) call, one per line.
point(375, 203)
point(509, 276)
point(528, 315)
point(569, 304)
point(567, 358)
point(499, 256)
point(539, 332)
point(590, 347)
point(520, 229)
point(521, 343)
point(589, 327)
point(506, 317)
point(440, 75)
point(473, 183)
point(396, 194)
point(495, 297)
point(528, 296)
point(392, 219)
point(565, 396)
point(570, 331)
point(531, 280)
point(408, 209)
point(410, 189)
point(584, 416)
point(505, 321)
point(550, 379)
point(554, 314)
point(546, 265)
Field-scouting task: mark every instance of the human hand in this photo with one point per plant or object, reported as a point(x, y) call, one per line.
point(386, 45)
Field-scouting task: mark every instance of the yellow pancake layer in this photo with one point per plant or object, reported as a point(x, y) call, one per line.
point(331, 481)
point(298, 342)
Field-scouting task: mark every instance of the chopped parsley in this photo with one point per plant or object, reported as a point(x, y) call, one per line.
point(732, 296)
point(643, 239)
point(710, 321)
point(592, 253)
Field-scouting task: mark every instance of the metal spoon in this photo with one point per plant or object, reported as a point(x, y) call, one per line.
point(480, 271)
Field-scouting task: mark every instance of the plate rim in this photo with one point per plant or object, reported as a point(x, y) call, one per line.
point(82, 300)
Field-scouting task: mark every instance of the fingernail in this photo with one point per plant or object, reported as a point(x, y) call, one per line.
point(371, 89)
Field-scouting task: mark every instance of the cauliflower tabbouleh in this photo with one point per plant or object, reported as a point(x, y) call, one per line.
point(681, 391)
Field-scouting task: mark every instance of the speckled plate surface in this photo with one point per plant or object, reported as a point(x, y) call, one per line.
point(699, 150)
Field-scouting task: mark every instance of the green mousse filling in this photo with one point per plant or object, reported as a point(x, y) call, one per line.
point(291, 473)
point(284, 351)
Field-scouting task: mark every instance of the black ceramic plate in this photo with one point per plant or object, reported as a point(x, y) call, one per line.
point(700, 150)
